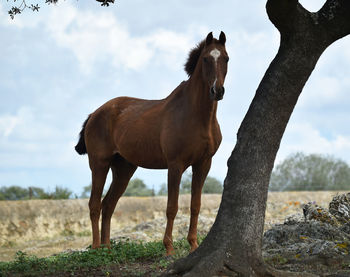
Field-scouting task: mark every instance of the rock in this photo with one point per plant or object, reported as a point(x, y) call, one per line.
point(294, 233)
point(314, 212)
point(317, 236)
point(339, 207)
point(294, 219)
point(346, 228)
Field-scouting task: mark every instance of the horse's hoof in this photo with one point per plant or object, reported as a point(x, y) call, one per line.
point(170, 253)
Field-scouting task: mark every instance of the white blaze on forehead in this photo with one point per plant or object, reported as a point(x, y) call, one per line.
point(215, 53)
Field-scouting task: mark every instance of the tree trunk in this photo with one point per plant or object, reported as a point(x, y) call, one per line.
point(233, 245)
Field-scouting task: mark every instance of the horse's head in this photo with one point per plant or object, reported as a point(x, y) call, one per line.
point(214, 65)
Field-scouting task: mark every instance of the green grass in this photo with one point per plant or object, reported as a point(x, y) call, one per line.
point(126, 254)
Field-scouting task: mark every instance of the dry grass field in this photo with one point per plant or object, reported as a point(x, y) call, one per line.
point(46, 227)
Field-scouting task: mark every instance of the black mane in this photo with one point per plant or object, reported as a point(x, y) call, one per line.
point(193, 57)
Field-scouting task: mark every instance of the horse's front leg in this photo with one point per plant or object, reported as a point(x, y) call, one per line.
point(174, 178)
point(200, 172)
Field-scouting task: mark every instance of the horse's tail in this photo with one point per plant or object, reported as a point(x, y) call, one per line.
point(81, 147)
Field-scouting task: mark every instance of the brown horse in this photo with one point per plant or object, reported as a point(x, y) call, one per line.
point(174, 133)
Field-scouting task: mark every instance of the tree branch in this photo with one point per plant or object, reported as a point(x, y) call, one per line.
point(19, 8)
point(332, 21)
point(334, 16)
point(282, 13)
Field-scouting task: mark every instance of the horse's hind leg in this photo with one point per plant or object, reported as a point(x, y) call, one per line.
point(122, 172)
point(99, 171)
point(200, 172)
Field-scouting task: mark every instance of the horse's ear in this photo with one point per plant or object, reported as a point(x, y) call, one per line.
point(222, 38)
point(209, 38)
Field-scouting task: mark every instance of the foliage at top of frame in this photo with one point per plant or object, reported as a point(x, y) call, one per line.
point(22, 5)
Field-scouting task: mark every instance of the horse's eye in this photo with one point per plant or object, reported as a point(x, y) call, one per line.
point(206, 59)
point(227, 59)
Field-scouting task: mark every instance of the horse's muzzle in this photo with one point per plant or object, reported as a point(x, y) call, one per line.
point(217, 93)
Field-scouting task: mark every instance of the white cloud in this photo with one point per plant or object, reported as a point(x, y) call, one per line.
point(94, 36)
point(10, 125)
point(250, 54)
point(7, 124)
point(25, 129)
point(303, 137)
point(27, 139)
point(342, 143)
point(97, 35)
point(169, 46)
point(322, 90)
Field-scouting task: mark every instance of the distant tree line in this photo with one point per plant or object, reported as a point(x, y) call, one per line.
point(137, 187)
point(297, 172)
point(312, 172)
point(211, 185)
point(19, 193)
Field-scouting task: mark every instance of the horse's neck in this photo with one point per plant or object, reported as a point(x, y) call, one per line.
point(197, 93)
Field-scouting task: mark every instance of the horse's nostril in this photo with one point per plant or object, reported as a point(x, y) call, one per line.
point(217, 93)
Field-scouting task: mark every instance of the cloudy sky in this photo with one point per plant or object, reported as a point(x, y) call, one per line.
point(60, 64)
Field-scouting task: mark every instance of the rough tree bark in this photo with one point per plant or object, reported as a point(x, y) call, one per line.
point(233, 245)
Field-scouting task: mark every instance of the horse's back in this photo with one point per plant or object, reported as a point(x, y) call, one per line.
point(130, 127)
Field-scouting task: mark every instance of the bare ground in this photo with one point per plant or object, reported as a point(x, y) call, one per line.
point(46, 227)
